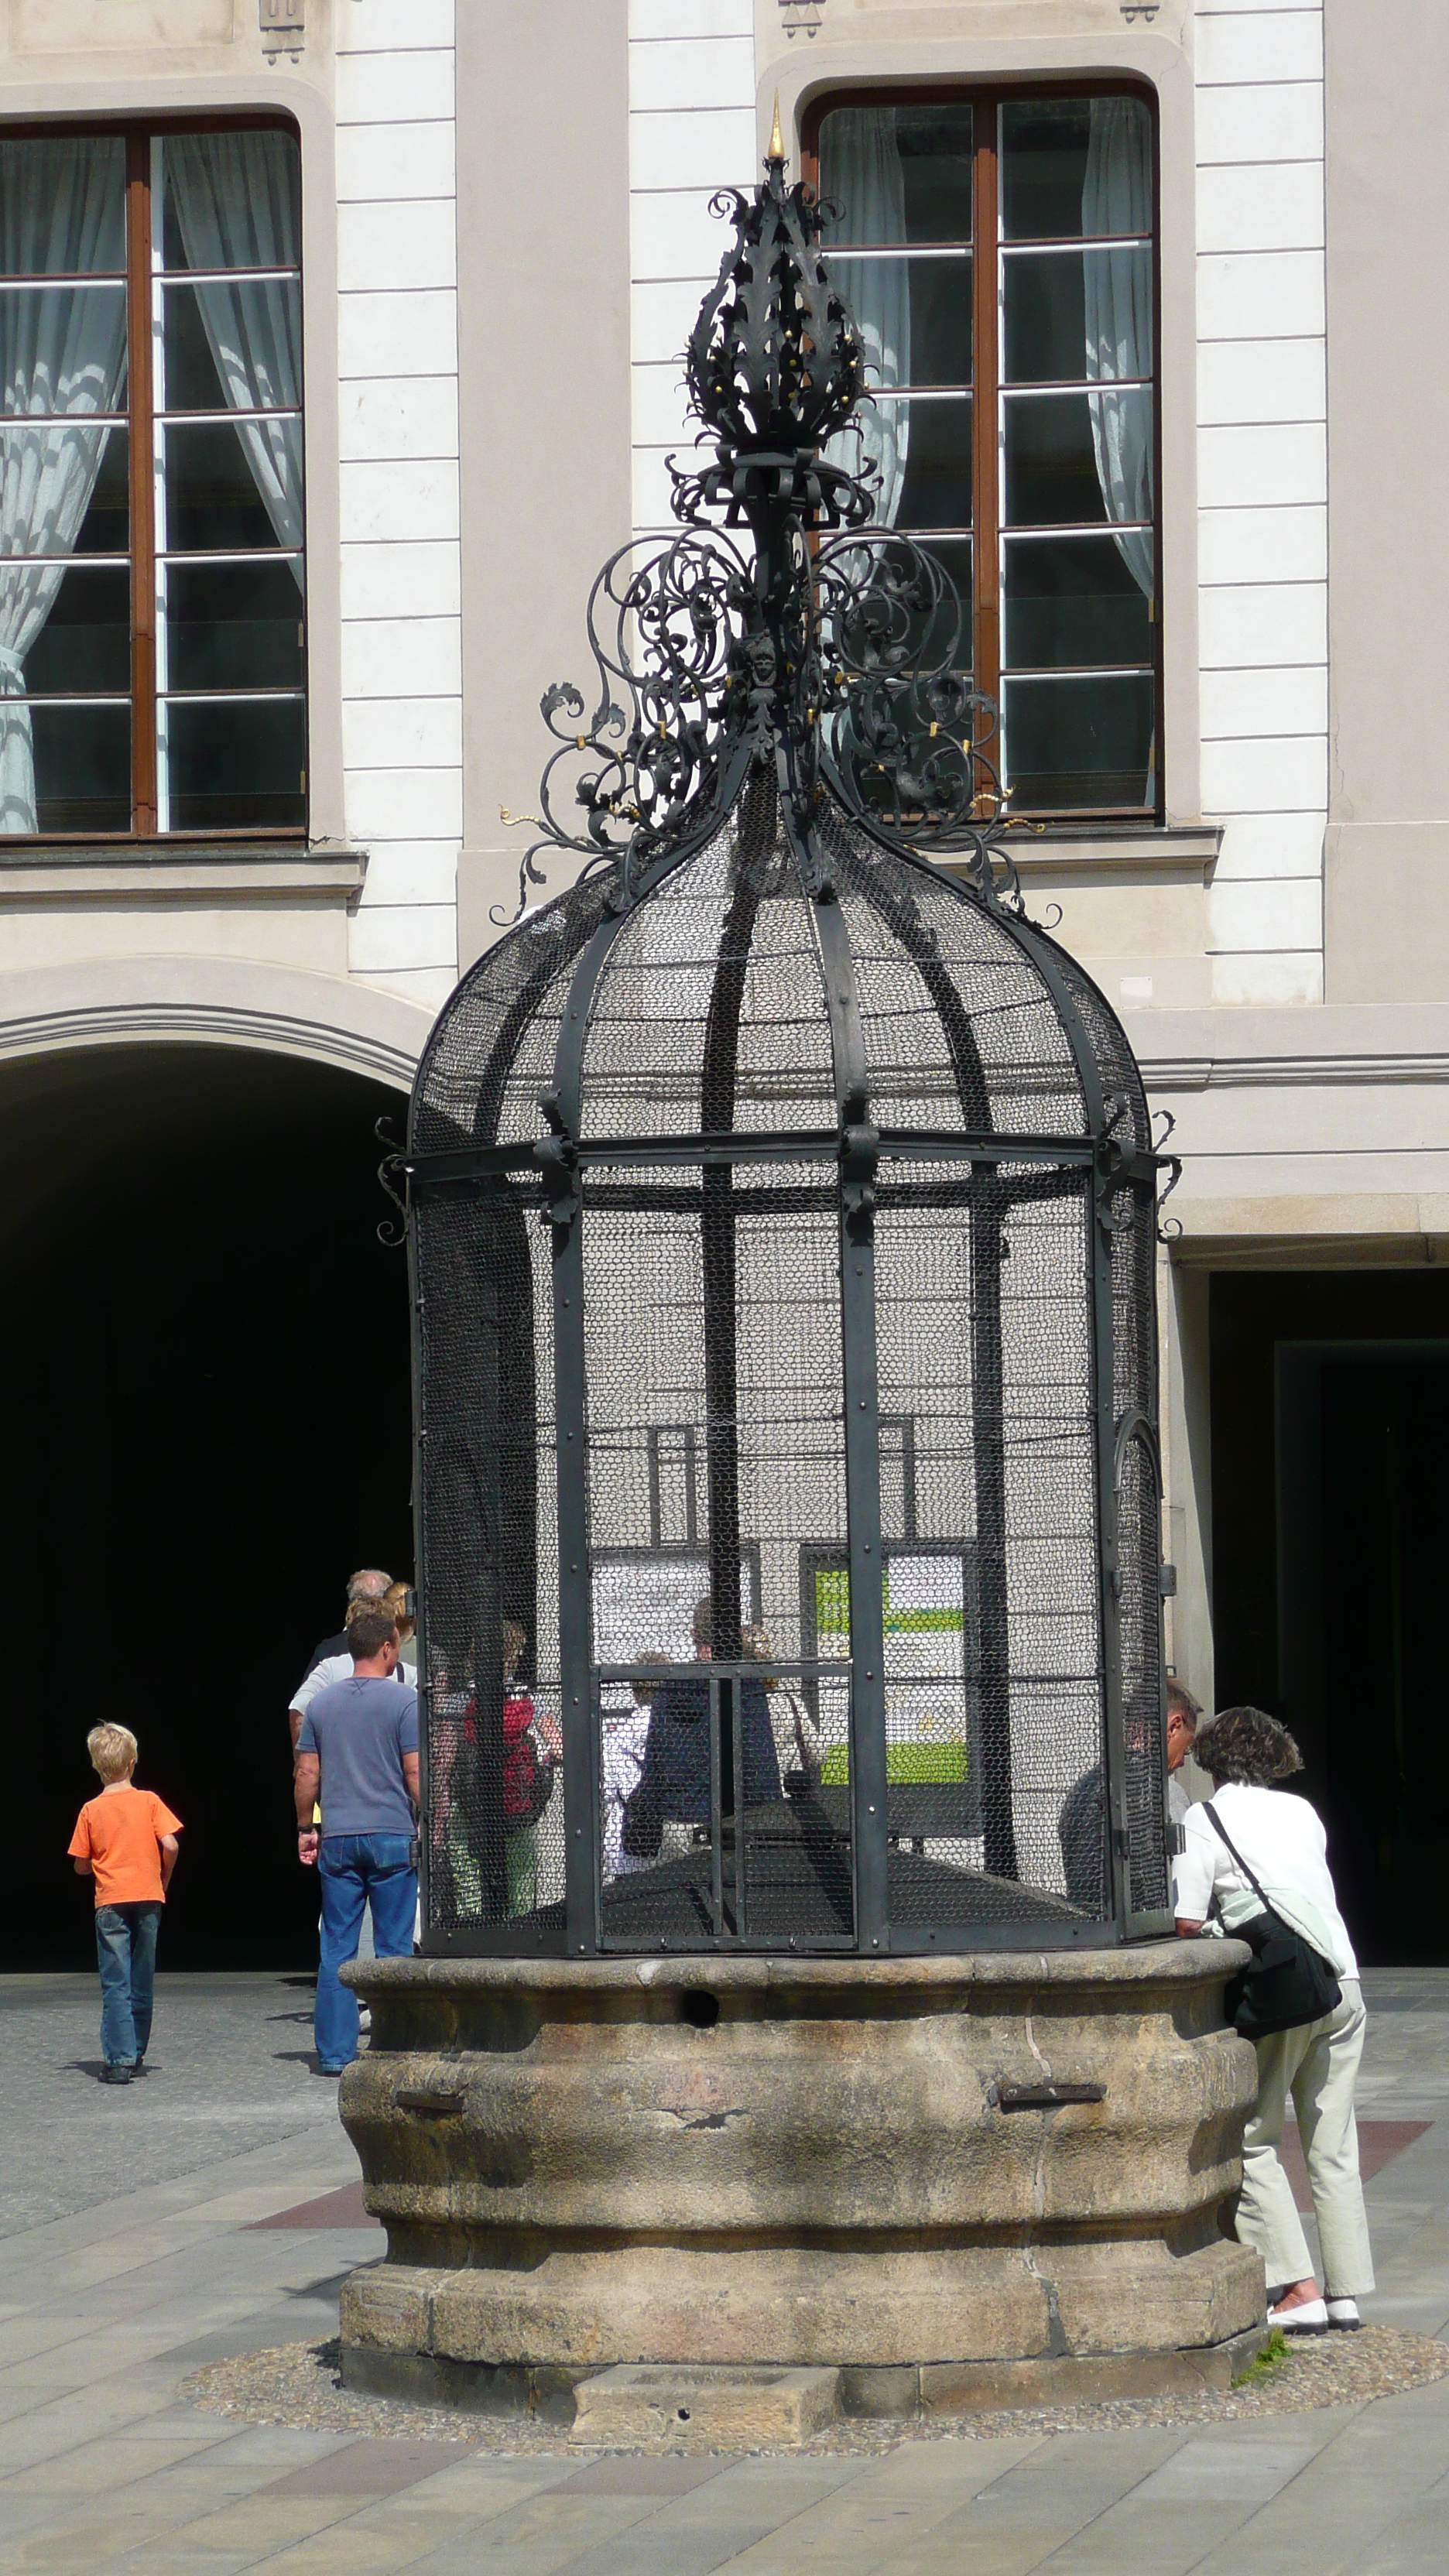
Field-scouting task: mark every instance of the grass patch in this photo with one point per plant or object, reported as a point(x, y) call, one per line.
point(1265, 2363)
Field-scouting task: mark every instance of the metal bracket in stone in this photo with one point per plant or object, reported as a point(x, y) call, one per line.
point(284, 29)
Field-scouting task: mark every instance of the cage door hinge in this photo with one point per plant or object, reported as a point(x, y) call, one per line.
point(558, 1169)
point(859, 1162)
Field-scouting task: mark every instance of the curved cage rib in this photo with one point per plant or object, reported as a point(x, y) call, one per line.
point(782, 1215)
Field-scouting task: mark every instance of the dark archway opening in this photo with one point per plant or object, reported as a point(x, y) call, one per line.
point(1330, 1406)
point(207, 1427)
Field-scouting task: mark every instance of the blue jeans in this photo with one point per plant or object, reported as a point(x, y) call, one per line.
point(126, 1953)
point(358, 1870)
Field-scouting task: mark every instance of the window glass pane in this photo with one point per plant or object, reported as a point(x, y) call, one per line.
point(85, 643)
point(1070, 315)
point(231, 348)
point(233, 626)
point(1079, 742)
point(897, 174)
point(933, 449)
point(236, 765)
point(230, 201)
point(106, 527)
point(82, 770)
point(231, 490)
point(62, 205)
point(914, 316)
point(1061, 449)
point(63, 348)
point(1075, 165)
point(63, 489)
point(1071, 602)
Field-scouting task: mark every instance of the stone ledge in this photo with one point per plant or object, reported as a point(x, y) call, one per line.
point(643, 2407)
point(1150, 1963)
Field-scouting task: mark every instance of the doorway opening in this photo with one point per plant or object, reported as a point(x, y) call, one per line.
point(1330, 1411)
point(207, 1428)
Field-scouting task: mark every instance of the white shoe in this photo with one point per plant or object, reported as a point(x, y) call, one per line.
point(1309, 2317)
point(1344, 2315)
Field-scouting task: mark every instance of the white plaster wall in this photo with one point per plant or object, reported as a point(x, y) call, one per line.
point(1262, 491)
point(398, 365)
point(691, 130)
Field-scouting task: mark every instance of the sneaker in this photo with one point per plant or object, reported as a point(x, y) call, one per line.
point(1310, 2317)
point(115, 2074)
point(333, 2071)
point(1344, 2317)
point(140, 2067)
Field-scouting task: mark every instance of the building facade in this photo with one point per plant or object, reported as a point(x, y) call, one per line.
point(363, 320)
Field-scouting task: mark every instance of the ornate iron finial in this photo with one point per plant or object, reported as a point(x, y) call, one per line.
point(844, 665)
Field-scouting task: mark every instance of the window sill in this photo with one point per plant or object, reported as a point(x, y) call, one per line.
point(1089, 853)
point(226, 871)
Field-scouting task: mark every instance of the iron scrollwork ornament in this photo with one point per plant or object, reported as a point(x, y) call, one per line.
point(831, 648)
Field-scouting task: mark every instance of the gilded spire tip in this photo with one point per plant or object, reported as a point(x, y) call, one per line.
point(777, 146)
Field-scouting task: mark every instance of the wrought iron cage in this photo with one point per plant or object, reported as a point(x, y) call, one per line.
point(783, 1209)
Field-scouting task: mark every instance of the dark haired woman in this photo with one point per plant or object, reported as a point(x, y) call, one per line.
point(1282, 1841)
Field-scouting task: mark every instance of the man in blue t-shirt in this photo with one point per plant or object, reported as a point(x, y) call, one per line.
point(357, 1751)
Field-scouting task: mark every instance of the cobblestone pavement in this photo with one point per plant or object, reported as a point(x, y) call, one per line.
point(132, 2255)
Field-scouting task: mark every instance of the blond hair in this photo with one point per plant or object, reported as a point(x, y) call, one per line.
point(395, 1599)
point(113, 1751)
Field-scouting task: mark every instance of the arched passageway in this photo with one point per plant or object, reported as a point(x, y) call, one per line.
point(206, 1428)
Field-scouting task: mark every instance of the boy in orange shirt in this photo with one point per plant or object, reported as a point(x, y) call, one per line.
point(126, 1840)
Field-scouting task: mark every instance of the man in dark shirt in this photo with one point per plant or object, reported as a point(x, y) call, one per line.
point(358, 1752)
point(368, 1585)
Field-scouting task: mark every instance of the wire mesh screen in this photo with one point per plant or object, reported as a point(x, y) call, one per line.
point(487, 1526)
point(662, 1105)
point(716, 1461)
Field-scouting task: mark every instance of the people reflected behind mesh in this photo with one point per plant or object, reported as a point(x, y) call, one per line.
point(675, 1787)
point(1251, 1829)
point(795, 1733)
point(471, 1807)
point(1082, 1825)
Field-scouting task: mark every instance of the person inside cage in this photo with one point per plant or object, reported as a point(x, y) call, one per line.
point(675, 1785)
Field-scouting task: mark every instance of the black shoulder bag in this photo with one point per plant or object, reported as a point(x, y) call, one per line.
point(1286, 1983)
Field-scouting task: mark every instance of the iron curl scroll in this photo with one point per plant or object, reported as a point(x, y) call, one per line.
point(826, 644)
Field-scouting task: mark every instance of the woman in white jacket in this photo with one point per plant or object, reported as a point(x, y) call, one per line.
point(1282, 1841)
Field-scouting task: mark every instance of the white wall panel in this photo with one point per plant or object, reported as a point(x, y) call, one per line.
point(1268, 982)
point(1277, 701)
point(385, 657)
point(690, 70)
point(1248, 380)
point(1271, 845)
point(1260, 295)
point(1253, 45)
point(398, 335)
point(395, 161)
point(1279, 121)
point(676, 18)
point(402, 733)
point(1247, 625)
point(400, 500)
point(384, 937)
point(383, 89)
point(1261, 205)
point(1277, 913)
point(398, 416)
point(1276, 776)
point(403, 246)
point(1262, 467)
point(381, 26)
point(705, 147)
point(1241, 546)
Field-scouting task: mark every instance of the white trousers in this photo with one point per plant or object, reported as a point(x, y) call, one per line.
point(1317, 2067)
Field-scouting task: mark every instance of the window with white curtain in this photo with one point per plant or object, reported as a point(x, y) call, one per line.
point(152, 619)
point(997, 250)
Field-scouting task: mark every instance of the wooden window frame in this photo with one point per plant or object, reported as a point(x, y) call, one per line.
point(984, 98)
point(138, 133)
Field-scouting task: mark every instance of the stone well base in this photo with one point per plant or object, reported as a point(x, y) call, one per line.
point(906, 2166)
